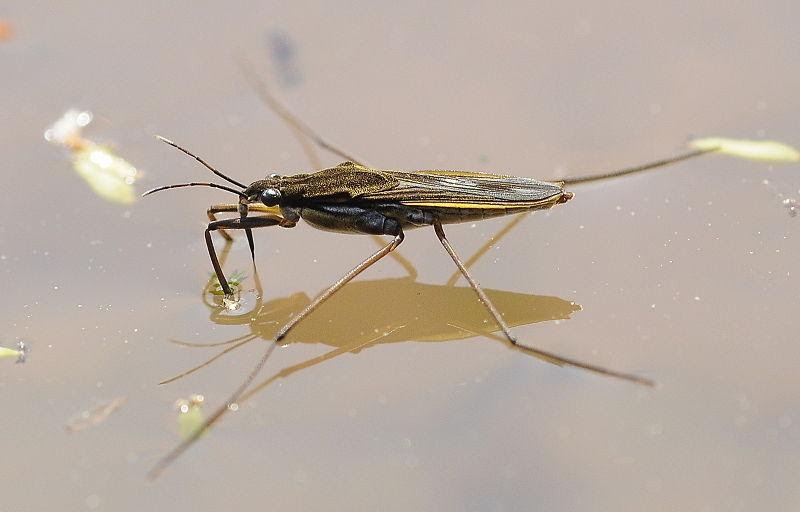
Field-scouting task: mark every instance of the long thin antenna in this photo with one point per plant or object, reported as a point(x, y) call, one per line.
point(194, 184)
point(205, 164)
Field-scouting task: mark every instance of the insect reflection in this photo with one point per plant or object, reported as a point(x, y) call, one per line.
point(414, 317)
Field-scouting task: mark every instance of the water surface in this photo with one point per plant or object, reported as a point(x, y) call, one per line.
point(685, 275)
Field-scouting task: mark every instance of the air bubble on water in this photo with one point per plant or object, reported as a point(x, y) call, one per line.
point(84, 118)
point(791, 206)
point(68, 126)
point(231, 304)
point(24, 349)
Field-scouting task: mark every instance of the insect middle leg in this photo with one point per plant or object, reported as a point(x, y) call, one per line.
point(555, 358)
point(325, 295)
point(240, 391)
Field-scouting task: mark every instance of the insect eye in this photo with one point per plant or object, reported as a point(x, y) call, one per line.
point(271, 197)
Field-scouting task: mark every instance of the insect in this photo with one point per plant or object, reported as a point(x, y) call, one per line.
point(354, 198)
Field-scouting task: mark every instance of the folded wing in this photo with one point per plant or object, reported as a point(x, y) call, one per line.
point(464, 189)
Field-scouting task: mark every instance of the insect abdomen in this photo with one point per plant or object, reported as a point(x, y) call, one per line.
point(350, 219)
point(459, 215)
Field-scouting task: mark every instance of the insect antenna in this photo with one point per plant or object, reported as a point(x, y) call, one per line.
point(194, 184)
point(205, 164)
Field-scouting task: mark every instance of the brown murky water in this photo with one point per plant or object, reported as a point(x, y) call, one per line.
point(686, 275)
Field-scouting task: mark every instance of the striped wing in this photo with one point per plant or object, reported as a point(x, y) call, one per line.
point(463, 189)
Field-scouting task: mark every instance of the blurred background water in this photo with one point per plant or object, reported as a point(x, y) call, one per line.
point(685, 275)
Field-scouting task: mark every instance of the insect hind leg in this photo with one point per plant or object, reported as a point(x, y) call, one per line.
point(548, 356)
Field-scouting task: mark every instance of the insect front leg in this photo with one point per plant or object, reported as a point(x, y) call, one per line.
point(212, 212)
point(233, 208)
point(549, 356)
point(230, 208)
point(245, 223)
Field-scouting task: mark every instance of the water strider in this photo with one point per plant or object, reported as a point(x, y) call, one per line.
point(357, 199)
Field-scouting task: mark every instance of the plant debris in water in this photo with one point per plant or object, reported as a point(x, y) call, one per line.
point(109, 175)
point(95, 416)
point(235, 280)
point(764, 150)
point(768, 150)
point(6, 32)
point(791, 205)
point(190, 415)
point(20, 352)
